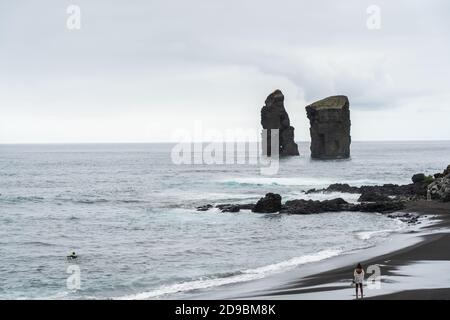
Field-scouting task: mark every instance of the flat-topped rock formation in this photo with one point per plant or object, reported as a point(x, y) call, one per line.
point(330, 128)
point(274, 116)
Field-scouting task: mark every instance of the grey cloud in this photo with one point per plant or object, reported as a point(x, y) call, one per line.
point(124, 51)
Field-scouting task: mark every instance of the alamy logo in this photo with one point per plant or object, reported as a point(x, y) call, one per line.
point(374, 19)
point(74, 19)
point(374, 280)
point(73, 282)
point(241, 147)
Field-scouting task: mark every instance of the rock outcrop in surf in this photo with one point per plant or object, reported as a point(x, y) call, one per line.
point(437, 186)
point(376, 193)
point(274, 116)
point(387, 198)
point(330, 128)
point(271, 203)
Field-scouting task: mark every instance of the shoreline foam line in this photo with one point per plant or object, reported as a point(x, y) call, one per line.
point(241, 276)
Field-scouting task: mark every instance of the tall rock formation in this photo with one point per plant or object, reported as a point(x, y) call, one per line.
point(330, 128)
point(274, 116)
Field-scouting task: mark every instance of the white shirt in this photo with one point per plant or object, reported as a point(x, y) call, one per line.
point(359, 277)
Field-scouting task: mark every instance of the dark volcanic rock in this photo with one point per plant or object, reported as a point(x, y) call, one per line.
point(373, 197)
point(330, 128)
point(230, 208)
point(269, 204)
point(410, 218)
point(302, 206)
point(206, 207)
point(272, 203)
point(235, 207)
point(412, 190)
point(418, 189)
point(438, 175)
point(274, 116)
point(342, 187)
point(310, 207)
point(447, 171)
point(440, 188)
point(227, 207)
point(420, 177)
point(382, 207)
point(247, 206)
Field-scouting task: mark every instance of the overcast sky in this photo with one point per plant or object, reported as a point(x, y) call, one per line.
point(137, 71)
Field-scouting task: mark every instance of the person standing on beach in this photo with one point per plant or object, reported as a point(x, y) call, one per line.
point(358, 276)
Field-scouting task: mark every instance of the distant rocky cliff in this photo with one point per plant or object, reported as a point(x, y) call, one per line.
point(274, 116)
point(330, 128)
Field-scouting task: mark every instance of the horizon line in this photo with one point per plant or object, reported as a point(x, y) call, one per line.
point(225, 141)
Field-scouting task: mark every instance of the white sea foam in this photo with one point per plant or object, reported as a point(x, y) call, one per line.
point(369, 234)
point(246, 275)
point(366, 235)
point(401, 226)
point(297, 181)
point(349, 197)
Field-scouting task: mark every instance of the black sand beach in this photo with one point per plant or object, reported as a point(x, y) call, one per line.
point(433, 247)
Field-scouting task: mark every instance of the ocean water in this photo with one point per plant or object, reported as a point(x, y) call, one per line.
point(129, 213)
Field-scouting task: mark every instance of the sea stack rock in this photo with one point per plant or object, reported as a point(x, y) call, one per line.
point(330, 128)
point(274, 116)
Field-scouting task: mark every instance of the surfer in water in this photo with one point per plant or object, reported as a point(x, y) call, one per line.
point(72, 256)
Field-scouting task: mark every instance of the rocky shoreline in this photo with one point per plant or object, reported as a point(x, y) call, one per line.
point(387, 198)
